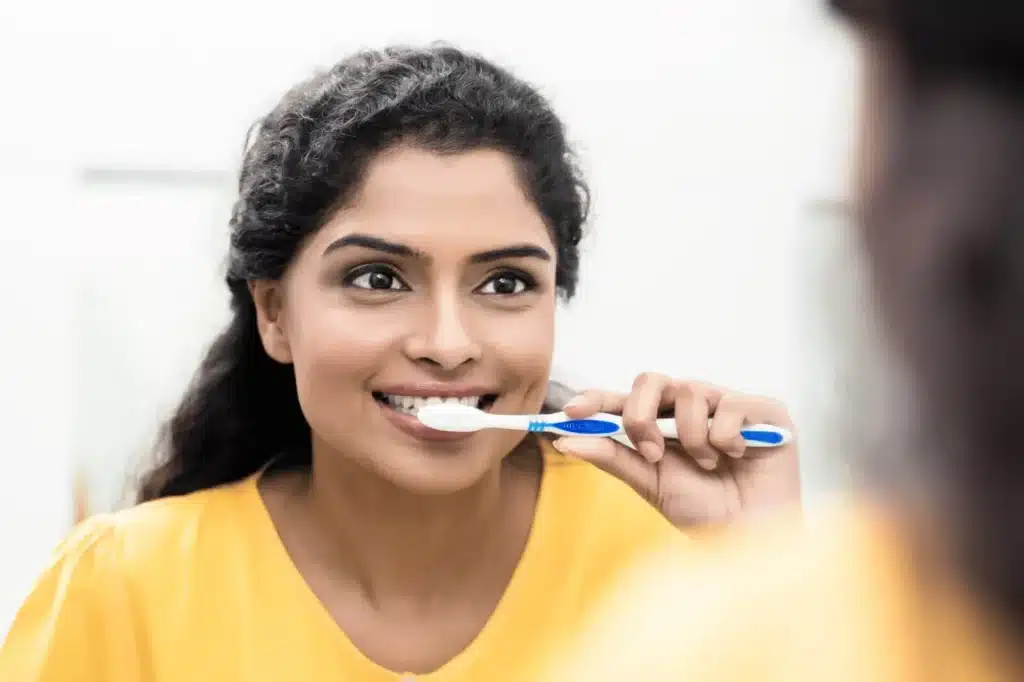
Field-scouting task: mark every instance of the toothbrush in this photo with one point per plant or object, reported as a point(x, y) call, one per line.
point(466, 419)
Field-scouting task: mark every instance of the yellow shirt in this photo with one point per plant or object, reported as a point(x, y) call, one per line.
point(845, 601)
point(199, 588)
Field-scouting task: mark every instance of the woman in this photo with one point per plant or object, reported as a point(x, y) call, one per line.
point(404, 223)
point(924, 578)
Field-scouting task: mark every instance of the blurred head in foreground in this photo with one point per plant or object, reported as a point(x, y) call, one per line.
point(941, 210)
point(924, 577)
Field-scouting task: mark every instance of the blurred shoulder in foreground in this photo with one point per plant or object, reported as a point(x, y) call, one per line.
point(843, 600)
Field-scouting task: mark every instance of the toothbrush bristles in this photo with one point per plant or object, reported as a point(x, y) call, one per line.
point(452, 417)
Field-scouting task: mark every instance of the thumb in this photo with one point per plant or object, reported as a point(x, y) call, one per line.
point(616, 459)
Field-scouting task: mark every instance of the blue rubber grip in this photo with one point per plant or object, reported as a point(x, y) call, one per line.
point(765, 437)
point(588, 427)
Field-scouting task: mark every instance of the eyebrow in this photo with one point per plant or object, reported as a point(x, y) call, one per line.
point(517, 251)
point(374, 243)
point(395, 249)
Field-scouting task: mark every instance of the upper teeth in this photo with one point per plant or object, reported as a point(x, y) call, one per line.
point(412, 404)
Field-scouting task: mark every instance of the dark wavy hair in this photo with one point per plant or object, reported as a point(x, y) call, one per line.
point(944, 232)
point(304, 161)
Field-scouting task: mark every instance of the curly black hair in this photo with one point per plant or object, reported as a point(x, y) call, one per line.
point(303, 162)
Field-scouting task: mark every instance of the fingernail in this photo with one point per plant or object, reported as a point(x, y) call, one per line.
point(577, 446)
point(575, 402)
point(650, 451)
point(708, 464)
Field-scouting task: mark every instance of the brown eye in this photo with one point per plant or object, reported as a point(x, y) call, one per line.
point(506, 284)
point(377, 278)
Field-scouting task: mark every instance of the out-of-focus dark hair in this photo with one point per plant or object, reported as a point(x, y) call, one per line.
point(943, 229)
point(304, 161)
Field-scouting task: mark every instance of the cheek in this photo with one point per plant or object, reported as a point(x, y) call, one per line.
point(333, 343)
point(523, 344)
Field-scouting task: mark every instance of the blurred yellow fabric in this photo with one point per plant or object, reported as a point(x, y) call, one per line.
point(841, 602)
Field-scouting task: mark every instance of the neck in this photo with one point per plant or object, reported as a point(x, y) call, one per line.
point(397, 544)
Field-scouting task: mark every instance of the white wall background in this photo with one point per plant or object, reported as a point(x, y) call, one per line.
point(708, 128)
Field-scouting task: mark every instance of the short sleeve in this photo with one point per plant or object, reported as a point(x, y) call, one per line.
point(75, 623)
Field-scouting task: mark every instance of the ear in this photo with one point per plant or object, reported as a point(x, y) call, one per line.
point(268, 296)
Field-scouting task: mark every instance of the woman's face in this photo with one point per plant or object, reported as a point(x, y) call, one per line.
point(436, 283)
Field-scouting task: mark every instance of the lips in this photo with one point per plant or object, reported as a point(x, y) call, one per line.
point(393, 407)
point(400, 403)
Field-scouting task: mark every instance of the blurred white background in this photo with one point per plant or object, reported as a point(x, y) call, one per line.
point(714, 132)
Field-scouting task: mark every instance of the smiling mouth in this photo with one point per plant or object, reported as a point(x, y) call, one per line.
point(407, 404)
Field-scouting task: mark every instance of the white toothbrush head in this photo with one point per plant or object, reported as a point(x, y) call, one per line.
point(452, 417)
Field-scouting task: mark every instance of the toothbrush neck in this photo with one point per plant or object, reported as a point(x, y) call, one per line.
point(513, 422)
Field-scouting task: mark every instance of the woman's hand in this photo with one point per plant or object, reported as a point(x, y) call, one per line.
point(709, 476)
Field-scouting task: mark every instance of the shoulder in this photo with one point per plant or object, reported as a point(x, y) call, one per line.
point(758, 601)
point(150, 534)
point(111, 560)
point(111, 577)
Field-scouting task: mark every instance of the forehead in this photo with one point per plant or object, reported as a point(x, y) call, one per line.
point(451, 203)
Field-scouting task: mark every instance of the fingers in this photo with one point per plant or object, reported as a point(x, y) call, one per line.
point(724, 434)
point(640, 414)
point(615, 459)
point(708, 419)
point(694, 405)
point(733, 412)
point(651, 394)
point(593, 401)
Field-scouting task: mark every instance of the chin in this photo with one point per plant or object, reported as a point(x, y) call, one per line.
point(434, 469)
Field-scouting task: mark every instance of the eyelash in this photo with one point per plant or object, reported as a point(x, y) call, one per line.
point(528, 280)
point(356, 273)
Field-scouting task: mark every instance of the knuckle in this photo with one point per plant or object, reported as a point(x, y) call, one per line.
point(643, 379)
point(651, 378)
point(747, 404)
point(687, 389)
point(635, 423)
point(738, 403)
point(693, 439)
point(721, 441)
point(732, 398)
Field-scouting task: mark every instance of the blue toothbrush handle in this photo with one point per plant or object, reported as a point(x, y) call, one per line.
point(609, 425)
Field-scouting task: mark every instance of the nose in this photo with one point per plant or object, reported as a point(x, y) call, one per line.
point(442, 338)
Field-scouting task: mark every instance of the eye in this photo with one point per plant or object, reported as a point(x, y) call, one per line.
point(507, 284)
point(375, 278)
